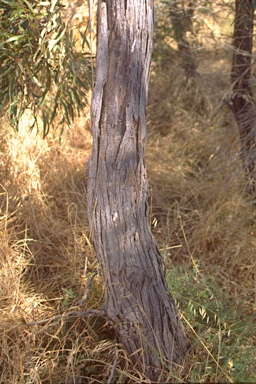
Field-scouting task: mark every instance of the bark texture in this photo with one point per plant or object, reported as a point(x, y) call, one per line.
point(137, 300)
point(242, 98)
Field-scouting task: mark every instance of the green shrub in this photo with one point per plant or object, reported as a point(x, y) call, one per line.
point(221, 327)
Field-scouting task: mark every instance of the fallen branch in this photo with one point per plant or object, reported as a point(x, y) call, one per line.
point(86, 313)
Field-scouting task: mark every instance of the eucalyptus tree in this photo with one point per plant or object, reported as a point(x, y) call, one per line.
point(137, 299)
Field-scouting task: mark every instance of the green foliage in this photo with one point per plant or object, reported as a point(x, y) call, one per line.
point(67, 298)
point(40, 68)
point(183, 22)
point(223, 327)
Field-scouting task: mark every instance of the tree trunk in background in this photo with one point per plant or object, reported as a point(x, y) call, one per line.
point(137, 301)
point(243, 104)
point(182, 22)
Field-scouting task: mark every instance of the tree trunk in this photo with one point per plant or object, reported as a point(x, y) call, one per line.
point(243, 104)
point(137, 301)
point(182, 22)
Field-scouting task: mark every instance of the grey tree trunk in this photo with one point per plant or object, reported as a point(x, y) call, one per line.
point(137, 301)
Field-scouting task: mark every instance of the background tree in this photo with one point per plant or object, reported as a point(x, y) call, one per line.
point(137, 300)
point(179, 27)
point(182, 23)
point(242, 98)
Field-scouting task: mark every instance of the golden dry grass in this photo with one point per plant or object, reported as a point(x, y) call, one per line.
point(46, 263)
point(201, 213)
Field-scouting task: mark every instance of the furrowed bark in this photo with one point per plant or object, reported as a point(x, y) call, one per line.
point(137, 300)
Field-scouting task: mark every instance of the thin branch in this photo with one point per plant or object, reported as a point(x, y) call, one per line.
point(86, 313)
point(80, 302)
point(113, 368)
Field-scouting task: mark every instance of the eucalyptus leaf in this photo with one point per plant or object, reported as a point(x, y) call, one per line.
point(40, 67)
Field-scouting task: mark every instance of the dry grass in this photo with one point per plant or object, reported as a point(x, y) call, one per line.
point(203, 218)
point(194, 165)
point(203, 221)
point(46, 262)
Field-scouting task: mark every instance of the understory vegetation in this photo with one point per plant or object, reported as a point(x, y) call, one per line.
point(203, 220)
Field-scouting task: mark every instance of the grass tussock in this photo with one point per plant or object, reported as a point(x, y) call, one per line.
point(202, 218)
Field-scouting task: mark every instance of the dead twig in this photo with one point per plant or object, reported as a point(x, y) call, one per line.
point(80, 302)
point(86, 313)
